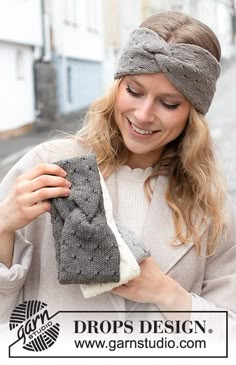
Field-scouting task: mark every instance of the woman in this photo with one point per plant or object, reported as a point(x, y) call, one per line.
point(154, 150)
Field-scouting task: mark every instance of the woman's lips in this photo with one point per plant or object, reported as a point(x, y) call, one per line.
point(138, 131)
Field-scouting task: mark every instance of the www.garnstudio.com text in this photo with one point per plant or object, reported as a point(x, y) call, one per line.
point(162, 343)
point(142, 327)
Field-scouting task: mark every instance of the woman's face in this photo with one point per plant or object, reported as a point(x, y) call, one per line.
point(150, 112)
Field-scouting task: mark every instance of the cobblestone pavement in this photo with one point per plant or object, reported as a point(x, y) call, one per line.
point(222, 122)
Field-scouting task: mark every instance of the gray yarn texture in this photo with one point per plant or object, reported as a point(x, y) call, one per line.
point(192, 70)
point(134, 243)
point(86, 248)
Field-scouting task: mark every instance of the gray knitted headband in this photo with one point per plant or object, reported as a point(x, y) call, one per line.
point(192, 69)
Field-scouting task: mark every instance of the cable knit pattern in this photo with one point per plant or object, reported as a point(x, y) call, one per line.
point(192, 69)
point(86, 248)
point(87, 236)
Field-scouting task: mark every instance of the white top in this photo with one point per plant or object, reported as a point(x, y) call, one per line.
point(130, 204)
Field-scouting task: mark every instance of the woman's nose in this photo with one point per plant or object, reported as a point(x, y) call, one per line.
point(145, 112)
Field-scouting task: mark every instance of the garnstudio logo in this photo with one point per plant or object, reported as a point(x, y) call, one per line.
point(34, 326)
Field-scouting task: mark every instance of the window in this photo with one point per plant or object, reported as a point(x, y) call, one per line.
point(178, 7)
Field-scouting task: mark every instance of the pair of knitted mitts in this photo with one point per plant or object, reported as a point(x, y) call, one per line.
point(92, 249)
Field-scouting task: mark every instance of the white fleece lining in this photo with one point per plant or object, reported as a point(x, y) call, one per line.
point(129, 268)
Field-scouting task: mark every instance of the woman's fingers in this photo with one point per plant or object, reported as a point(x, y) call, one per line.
point(42, 169)
point(24, 187)
point(48, 193)
point(40, 195)
point(46, 181)
point(31, 193)
point(42, 188)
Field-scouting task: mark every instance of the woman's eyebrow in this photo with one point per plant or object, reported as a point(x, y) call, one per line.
point(132, 78)
point(173, 95)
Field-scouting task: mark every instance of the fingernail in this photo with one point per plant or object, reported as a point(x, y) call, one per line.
point(68, 184)
point(67, 192)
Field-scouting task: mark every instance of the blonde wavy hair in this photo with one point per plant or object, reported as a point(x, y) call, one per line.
point(196, 188)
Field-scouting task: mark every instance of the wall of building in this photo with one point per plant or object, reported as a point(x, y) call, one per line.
point(120, 18)
point(20, 36)
point(79, 83)
point(215, 13)
point(130, 17)
point(20, 21)
point(16, 87)
point(78, 52)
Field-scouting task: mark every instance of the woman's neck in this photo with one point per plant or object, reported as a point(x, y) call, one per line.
point(141, 161)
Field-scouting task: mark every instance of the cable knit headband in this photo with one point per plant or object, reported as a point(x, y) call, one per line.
point(192, 69)
point(93, 248)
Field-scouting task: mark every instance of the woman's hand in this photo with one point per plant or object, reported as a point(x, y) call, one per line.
point(153, 286)
point(29, 196)
point(27, 200)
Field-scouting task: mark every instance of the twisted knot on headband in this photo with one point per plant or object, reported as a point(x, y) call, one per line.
point(192, 70)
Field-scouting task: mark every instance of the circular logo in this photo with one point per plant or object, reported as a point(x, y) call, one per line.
point(34, 325)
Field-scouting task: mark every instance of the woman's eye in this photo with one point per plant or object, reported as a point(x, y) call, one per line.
point(130, 91)
point(169, 106)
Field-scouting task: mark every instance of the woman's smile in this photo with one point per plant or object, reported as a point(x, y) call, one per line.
point(140, 132)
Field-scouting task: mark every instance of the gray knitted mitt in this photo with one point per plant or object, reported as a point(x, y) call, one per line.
point(86, 248)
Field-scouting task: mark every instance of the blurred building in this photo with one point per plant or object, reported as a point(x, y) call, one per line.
point(20, 44)
point(217, 14)
point(75, 33)
point(56, 57)
point(120, 18)
point(51, 58)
